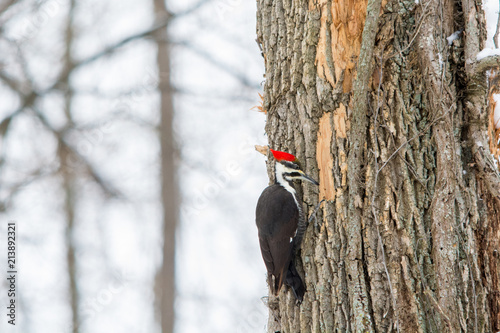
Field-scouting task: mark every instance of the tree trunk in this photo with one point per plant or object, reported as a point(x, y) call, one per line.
point(69, 182)
point(392, 119)
point(165, 280)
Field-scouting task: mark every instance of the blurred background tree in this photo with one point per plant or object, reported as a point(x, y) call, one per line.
point(125, 128)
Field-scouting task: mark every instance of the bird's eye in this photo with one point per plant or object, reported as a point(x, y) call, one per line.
point(292, 165)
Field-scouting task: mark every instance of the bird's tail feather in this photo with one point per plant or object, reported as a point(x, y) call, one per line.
point(294, 281)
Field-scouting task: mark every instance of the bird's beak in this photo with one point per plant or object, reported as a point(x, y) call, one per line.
point(308, 178)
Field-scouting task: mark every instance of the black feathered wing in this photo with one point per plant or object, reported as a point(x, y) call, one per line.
point(277, 217)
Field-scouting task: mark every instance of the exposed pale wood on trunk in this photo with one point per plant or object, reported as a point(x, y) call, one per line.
point(325, 158)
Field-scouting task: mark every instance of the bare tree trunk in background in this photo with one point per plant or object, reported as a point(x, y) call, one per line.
point(393, 121)
point(69, 179)
point(169, 187)
point(69, 206)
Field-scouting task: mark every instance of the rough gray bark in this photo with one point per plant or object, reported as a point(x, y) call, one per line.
point(394, 124)
point(169, 188)
point(357, 284)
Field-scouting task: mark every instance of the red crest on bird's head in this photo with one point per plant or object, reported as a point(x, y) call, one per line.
point(282, 156)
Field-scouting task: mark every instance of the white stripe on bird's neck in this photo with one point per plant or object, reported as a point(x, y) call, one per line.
point(280, 170)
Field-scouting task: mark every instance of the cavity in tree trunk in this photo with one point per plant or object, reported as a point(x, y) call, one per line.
point(392, 118)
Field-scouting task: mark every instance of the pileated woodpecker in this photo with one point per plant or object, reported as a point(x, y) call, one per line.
point(281, 225)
